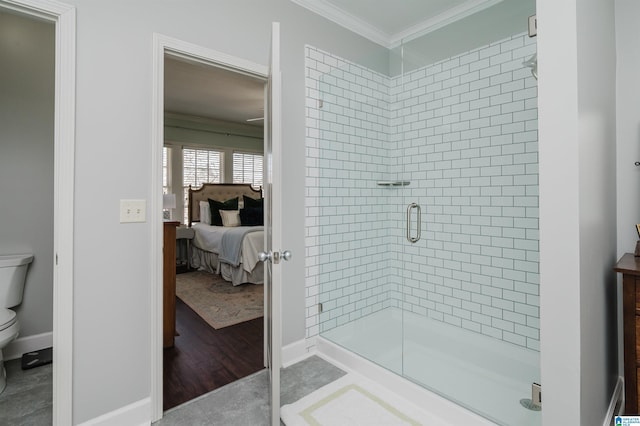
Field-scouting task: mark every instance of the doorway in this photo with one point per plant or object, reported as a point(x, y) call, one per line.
point(62, 16)
point(183, 53)
point(213, 134)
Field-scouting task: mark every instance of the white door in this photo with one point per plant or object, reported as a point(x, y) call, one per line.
point(272, 256)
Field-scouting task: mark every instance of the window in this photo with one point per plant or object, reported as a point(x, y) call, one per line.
point(247, 168)
point(165, 179)
point(165, 171)
point(199, 166)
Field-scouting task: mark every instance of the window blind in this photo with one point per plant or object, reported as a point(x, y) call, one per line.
point(247, 168)
point(199, 166)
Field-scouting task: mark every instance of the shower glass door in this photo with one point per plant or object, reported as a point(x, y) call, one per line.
point(464, 125)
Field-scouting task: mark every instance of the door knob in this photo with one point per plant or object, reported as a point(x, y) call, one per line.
point(274, 256)
point(263, 257)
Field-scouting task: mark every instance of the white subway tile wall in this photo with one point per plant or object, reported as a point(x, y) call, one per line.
point(463, 131)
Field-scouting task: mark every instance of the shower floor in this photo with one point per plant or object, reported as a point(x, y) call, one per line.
point(482, 374)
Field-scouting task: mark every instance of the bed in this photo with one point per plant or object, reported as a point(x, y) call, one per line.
point(231, 250)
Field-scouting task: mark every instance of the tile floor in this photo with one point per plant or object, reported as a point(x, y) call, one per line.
point(27, 399)
point(246, 401)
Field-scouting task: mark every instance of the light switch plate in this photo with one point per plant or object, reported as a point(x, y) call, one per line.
point(133, 211)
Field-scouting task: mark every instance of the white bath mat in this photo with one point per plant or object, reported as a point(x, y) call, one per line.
point(353, 400)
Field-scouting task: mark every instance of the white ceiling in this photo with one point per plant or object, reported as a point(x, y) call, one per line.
point(205, 91)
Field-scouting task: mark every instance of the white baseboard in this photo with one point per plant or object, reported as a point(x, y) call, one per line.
point(22, 345)
point(297, 351)
point(136, 414)
point(616, 401)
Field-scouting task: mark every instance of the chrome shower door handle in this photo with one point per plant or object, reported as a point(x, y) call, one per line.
point(410, 238)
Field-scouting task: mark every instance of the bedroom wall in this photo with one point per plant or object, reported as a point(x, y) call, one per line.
point(112, 260)
point(26, 161)
point(184, 129)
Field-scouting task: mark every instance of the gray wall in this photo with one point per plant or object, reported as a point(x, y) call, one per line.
point(576, 94)
point(26, 160)
point(597, 192)
point(112, 260)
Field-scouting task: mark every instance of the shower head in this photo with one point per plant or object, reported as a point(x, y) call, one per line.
point(532, 63)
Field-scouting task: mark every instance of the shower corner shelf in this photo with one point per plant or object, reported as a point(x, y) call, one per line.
point(393, 183)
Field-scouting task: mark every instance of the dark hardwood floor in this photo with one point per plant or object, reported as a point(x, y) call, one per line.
point(204, 359)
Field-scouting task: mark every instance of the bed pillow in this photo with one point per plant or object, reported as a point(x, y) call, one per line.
point(230, 217)
point(252, 202)
point(205, 212)
point(252, 216)
point(216, 206)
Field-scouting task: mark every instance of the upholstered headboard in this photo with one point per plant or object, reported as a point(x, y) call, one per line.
point(219, 192)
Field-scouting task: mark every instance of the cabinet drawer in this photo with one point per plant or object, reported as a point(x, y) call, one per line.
point(637, 389)
point(637, 282)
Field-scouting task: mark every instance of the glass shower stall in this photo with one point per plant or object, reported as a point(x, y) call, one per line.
point(422, 215)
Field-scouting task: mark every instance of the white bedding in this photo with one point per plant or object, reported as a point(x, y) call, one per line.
point(209, 238)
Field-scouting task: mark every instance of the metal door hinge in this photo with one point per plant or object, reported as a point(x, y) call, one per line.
point(536, 394)
point(533, 26)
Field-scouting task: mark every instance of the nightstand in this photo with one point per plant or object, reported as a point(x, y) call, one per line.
point(184, 235)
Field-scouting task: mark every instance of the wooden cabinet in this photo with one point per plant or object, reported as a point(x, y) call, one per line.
point(629, 267)
point(169, 284)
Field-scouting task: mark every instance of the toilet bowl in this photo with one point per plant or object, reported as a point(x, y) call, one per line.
point(13, 271)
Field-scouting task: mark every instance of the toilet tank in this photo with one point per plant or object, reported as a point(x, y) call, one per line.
point(13, 271)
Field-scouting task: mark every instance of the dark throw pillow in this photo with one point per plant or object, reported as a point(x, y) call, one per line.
point(252, 216)
point(252, 202)
point(216, 206)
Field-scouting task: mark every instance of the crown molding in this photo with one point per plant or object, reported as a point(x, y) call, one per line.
point(445, 18)
point(333, 13)
point(346, 20)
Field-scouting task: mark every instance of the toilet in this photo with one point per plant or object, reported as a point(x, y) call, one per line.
point(13, 271)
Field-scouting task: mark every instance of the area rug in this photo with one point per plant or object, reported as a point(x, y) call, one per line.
point(354, 401)
point(218, 302)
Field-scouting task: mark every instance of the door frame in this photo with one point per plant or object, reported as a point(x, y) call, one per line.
point(63, 16)
point(165, 45)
